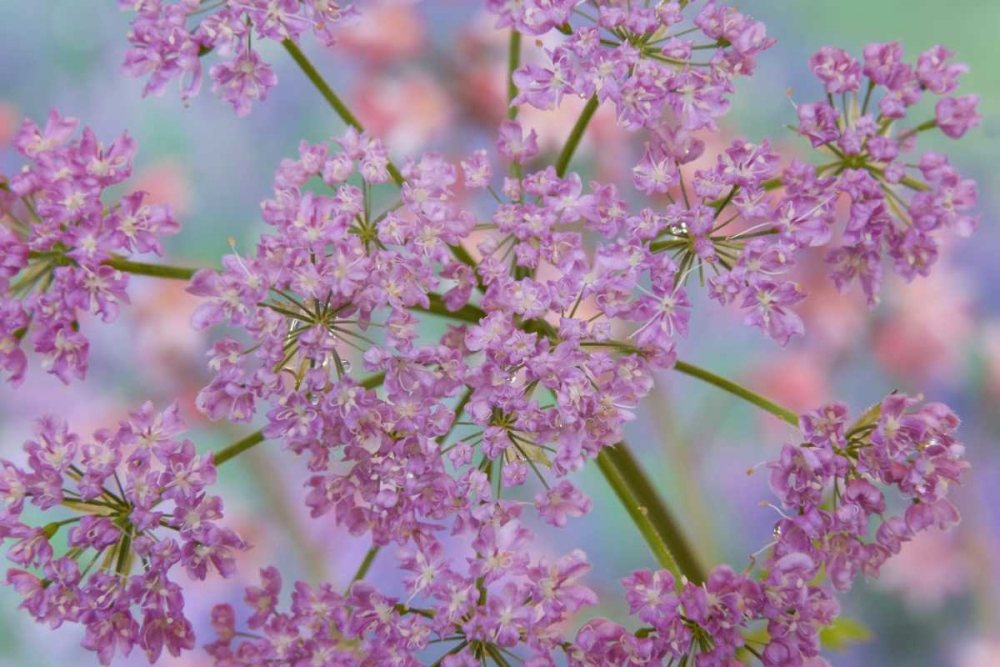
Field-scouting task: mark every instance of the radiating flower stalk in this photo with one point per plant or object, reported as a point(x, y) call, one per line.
point(560, 317)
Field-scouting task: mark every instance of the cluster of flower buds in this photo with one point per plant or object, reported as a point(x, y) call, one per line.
point(136, 507)
point(62, 246)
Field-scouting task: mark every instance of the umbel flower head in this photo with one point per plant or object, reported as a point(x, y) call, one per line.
point(60, 243)
point(900, 202)
point(121, 511)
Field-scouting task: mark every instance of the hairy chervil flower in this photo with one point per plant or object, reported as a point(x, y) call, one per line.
point(643, 60)
point(62, 247)
point(900, 202)
point(127, 507)
point(489, 598)
point(565, 297)
point(169, 38)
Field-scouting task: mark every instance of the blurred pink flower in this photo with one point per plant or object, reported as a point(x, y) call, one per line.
point(9, 122)
point(407, 112)
point(979, 652)
point(927, 571)
point(795, 379)
point(990, 338)
point(834, 321)
point(166, 182)
point(387, 30)
point(172, 350)
point(926, 327)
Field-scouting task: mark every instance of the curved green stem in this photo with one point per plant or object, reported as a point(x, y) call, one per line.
point(237, 448)
point(575, 135)
point(738, 390)
point(154, 270)
point(650, 514)
point(331, 97)
point(366, 565)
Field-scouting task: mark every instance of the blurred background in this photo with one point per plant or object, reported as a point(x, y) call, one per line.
point(431, 74)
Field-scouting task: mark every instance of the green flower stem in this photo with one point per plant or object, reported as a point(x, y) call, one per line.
point(473, 315)
point(575, 135)
point(650, 514)
point(237, 448)
point(154, 270)
point(331, 97)
point(740, 391)
point(366, 565)
point(373, 381)
point(513, 62)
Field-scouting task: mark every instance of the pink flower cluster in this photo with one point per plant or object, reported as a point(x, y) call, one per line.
point(830, 483)
point(899, 202)
point(564, 298)
point(138, 507)
point(486, 599)
point(639, 59)
point(169, 38)
point(59, 241)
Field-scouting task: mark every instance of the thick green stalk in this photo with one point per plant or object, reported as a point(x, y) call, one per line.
point(650, 514)
point(513, 62)
point(738, 390)
point(155, 270)
point(575, 135)
point(331, 97)
point(636, 510)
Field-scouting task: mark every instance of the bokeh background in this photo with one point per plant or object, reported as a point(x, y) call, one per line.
point(429, 74)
